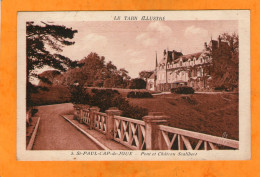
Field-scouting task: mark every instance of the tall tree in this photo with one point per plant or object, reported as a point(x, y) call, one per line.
point(43, 46)
point(225, 62)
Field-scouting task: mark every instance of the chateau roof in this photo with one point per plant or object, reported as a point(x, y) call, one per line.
point(186, 57)
point(152, 76)
point(169, 56)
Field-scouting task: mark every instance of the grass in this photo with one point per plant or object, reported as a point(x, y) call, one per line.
point(55, 95)
point(214, 114)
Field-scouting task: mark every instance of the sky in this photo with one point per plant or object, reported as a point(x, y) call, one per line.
point(133, 44)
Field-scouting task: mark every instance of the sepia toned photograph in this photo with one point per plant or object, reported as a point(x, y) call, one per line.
point(139, 85)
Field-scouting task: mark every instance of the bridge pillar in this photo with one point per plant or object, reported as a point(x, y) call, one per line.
point(92, 116)
point(76, 112)
point(152, 132)
point(81, 116)
point(111, 112)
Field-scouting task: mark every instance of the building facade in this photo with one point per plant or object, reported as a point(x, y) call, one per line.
point(176, 69)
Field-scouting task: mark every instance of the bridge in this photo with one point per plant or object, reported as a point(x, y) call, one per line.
point(82, 127)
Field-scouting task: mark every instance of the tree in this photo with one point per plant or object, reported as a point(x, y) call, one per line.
point(225, 63)
point(43, 44)
point(49, 75)
point(145, 74)
point(126, 78)
point(96, 72)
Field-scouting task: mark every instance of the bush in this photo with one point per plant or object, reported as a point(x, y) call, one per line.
point(133, 94)
point(221, 88)
point(182, 90)
point(137, 83)
point(79, 95)
point(106, 98)
point(128, 110)
point(94, 90)
point(34, 111)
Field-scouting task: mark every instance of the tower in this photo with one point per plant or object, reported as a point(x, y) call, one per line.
point(156, 62)
point(155, 71)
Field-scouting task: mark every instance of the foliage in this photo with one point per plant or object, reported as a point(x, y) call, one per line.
point(95, 72)
point(225, 63)
point(137, 83)
point(133, 94)
point(183, 90)
point(39, 38)
point(106, 98)
point(42, 41)
point(79, 94)
point(47, 77)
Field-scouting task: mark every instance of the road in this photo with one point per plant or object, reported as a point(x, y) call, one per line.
point(55, 133)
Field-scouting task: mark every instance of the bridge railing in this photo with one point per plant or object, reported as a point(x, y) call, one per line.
point(100, 122)
point(129, 132)
point(179, 139)
point(86, 116)
point(151, 133)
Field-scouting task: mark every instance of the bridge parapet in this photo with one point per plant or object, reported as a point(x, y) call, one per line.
point(151, 133)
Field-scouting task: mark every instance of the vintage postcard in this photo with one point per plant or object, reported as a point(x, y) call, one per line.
point(133, 85)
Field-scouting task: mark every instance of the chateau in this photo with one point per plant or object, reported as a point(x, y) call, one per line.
point(193, 70)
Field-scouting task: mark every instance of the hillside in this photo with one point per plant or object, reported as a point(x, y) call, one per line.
point(55, 95)
point(215, 114)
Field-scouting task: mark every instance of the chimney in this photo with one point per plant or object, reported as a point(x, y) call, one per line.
point(173, 55)
point(219, 41)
